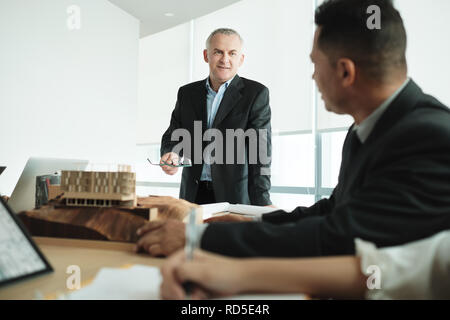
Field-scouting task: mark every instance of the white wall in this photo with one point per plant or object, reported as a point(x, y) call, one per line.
point(66, 93)
point(428, 52)
point(164, 61)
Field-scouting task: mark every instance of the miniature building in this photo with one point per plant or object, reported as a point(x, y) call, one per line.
point(99, 189)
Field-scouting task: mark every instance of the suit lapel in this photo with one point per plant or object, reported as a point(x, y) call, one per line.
point(199, 103)
point(404, 103)
point(229, 100)
point(345, 155)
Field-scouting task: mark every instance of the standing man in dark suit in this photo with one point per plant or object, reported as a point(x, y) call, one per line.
point(224, 101)
point(393, 185)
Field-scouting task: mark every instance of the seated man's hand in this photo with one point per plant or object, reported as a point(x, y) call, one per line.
point(170, 158)
point(168, 207)
point(161, 238)
point(231, 217)
point(213, 275)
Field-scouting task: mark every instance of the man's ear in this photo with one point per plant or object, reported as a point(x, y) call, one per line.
point(205, 55)
point(241, 60)
point(346, 71)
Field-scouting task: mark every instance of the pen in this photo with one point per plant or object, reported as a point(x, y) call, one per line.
point(189, 248)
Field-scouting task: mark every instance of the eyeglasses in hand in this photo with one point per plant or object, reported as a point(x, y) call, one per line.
point(185, 163)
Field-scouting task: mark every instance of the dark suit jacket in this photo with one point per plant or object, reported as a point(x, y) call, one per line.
point(245, 105)
point(397, 190)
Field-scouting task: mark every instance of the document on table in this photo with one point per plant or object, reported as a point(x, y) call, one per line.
point(136, 283)
point(256, 211)
point(141, 282)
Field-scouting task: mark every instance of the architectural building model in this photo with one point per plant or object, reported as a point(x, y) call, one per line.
point(99, 188)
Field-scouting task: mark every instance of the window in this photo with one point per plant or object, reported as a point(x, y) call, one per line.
point(332, 143)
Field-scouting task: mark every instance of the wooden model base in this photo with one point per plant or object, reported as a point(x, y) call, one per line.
point(101, 223)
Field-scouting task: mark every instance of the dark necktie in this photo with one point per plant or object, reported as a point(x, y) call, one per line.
point(351, 147)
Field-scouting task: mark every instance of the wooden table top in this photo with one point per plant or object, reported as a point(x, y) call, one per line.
point(89, 255)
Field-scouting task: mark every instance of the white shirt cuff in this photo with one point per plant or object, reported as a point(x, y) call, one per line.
point(416, 270)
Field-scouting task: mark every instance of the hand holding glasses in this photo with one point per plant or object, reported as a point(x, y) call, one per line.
point(186, 163)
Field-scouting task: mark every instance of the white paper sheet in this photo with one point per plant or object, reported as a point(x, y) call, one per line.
point(142, 283)
point(136, 283)
point(210, 209)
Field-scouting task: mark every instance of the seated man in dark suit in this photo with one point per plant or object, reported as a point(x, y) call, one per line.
point(393, 185)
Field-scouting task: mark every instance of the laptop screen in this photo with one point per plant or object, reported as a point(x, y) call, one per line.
point(19, 256)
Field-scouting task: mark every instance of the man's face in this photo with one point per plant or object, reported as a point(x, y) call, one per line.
point(326, 78)
point(224, 57)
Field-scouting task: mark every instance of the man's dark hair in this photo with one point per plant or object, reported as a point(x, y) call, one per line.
point(345, 34)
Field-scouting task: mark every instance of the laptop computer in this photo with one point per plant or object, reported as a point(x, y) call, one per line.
point(20, 258)
point(23, 195)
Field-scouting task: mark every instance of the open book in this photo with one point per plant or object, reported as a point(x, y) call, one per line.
point(255, 211)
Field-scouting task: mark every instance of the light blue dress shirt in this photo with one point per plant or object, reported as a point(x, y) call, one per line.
point(213, 100)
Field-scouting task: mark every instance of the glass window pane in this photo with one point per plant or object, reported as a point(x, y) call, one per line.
point(330, 120)
point(293, 160)
point(332, 143)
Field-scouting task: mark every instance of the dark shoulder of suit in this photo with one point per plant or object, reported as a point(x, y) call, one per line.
point(253, 85)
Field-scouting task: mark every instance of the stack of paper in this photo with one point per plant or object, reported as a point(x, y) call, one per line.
point(213, 208)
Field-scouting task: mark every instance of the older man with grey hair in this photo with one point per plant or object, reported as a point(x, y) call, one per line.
point(221, 102)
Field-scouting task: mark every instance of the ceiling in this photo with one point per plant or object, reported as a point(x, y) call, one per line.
point(151, 13)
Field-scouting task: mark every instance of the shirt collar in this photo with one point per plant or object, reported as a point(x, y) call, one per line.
point(364, 129)
point(226, 84)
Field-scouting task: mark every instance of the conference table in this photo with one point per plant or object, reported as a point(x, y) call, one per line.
point(89, 255)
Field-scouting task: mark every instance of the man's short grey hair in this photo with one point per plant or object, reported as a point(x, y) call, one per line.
point(225, 31)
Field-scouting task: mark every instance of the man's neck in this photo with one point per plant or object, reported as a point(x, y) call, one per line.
point(373, 97)
point(215, 85)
